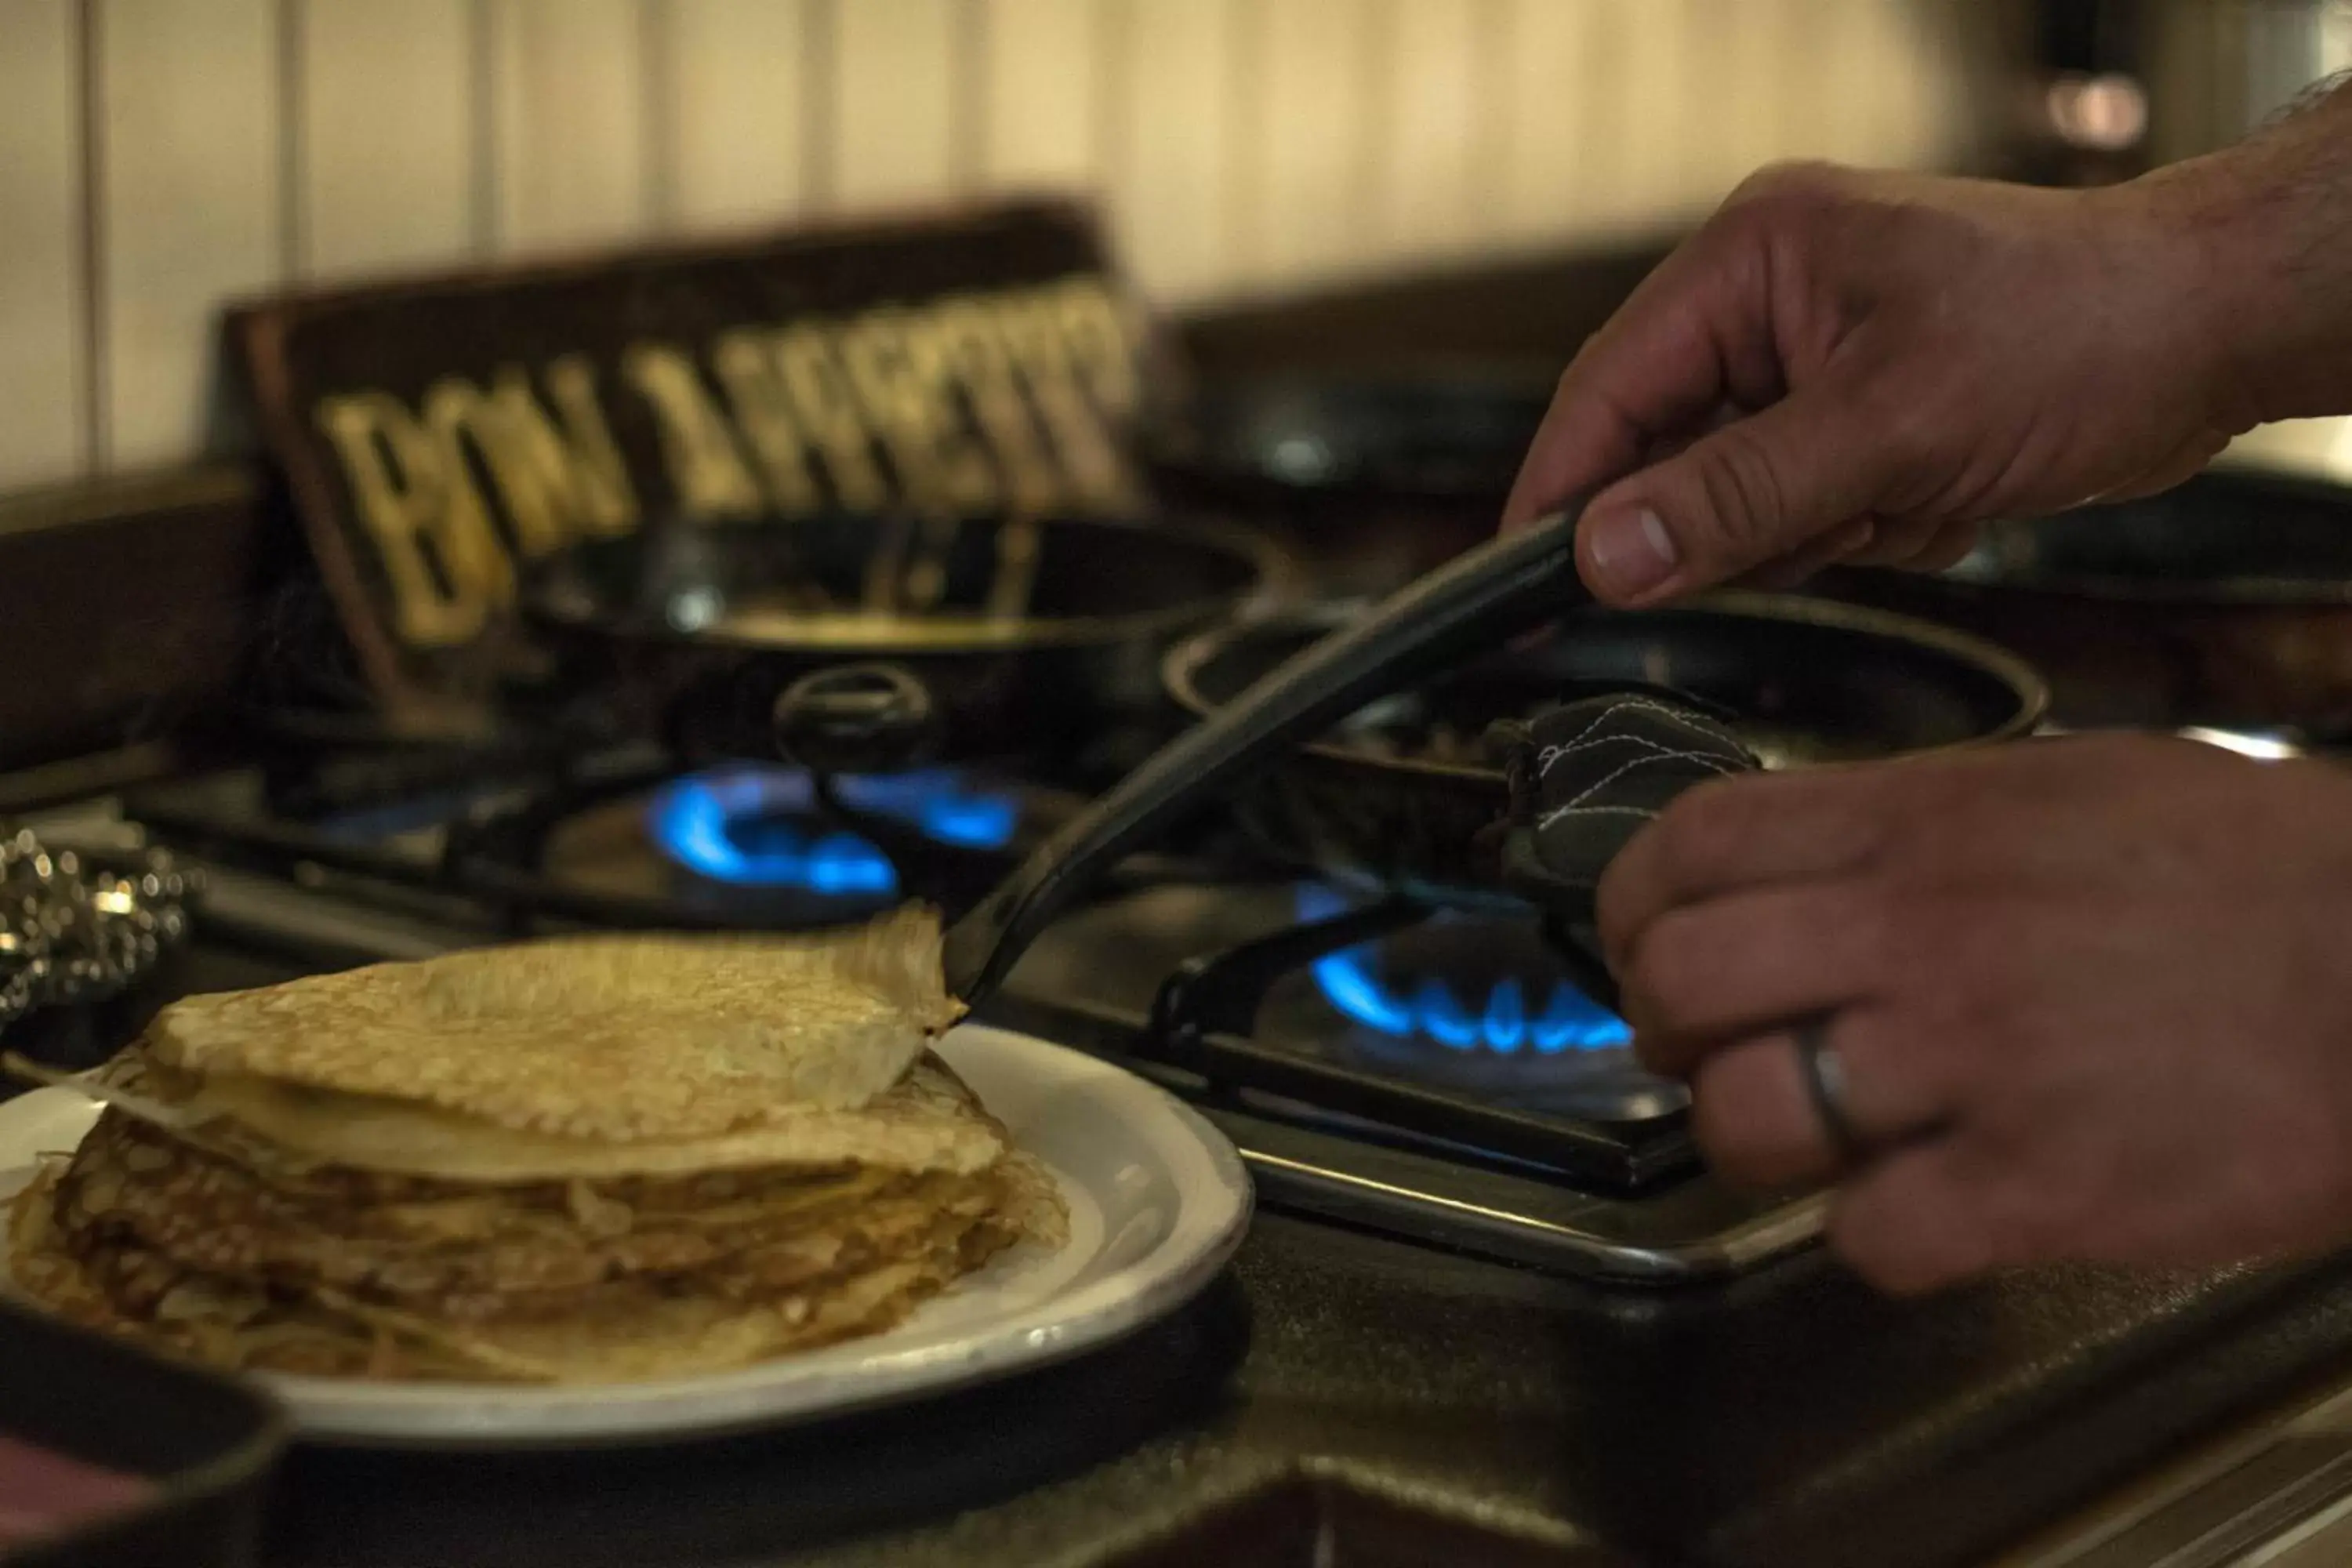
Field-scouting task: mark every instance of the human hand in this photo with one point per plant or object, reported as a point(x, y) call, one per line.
point(2091, 998)
point(1862, 367)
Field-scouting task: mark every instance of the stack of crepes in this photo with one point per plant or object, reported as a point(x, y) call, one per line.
point(588, 1159)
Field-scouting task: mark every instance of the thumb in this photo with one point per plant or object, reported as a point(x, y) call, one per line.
point(1746, 494)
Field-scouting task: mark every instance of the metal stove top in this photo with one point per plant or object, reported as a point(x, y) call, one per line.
point(1430, 1075)
point(1554, 1152)
point(1758, 1415)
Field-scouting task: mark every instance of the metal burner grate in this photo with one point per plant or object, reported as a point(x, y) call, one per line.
point(1205, 1016)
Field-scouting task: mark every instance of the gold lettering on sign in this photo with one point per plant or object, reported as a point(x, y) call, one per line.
point(706, 471)
point(967, 335)
point(599, 475)
point(1102, 341)
point(899, 372)
point(745, 359)
point(827, 409)
point(440, 556)
point(1032, 333)
point(977, 401)
point(554, 484)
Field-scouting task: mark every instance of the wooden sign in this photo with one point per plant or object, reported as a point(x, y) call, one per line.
point(439, 436)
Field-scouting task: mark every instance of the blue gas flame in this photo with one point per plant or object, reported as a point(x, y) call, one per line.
point(759, 827)
point(1350, 979)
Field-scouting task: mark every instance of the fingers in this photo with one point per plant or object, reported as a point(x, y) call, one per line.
point(1918, 1215)
point(2184, 463)
point(1950, 546)
point(1702, 335)
point(1754, 1118)
point(1749, 961)
point(1909, 545)
point(1918, 1219)
point(1897, 541)
point(1755, 491)
point(1695, 335)
point(1749, 832)
point(1754, 1114)
point(1849, 541)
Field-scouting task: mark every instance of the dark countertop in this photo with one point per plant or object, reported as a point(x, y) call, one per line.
point(1405, 1406)
point(1395, 1395)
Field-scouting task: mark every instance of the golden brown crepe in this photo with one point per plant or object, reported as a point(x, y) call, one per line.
point(610, 1037)
point(283, 1199)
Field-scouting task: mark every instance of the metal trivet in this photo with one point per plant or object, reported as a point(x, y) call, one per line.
point(82, 925)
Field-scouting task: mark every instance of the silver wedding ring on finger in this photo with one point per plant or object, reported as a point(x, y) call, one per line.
point(1824, 1074)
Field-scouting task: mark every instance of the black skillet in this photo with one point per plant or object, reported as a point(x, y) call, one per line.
point(1477, 602)
point(1405, 795)
point(1362, 440)
point(857, 643)
point(1375, 478)
point(2225, 602)
point(1481, 602)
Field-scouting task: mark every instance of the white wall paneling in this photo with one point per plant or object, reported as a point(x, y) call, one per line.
point(160, 157)
point(1739, 85)
point(899, 101)
point(1438, 176)
point(1314, 140)
point(44, 385)
point(1550, 65)
point(571, 132)
point(1042, 93)
point(384, 134)
point(1937, 100)
point(1172, 121)
point(188, 162)
point(1894, 87)
point(1604, 116)
point(1665, 98)
point(734, 91)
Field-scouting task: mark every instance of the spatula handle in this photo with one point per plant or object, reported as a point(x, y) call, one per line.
point(1478, 601)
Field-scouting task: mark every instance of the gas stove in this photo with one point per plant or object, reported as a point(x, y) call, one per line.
point(1429, 1074)
point(1484, 1225)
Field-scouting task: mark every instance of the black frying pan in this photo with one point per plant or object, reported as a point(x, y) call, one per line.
point(2225, 602)
point(1485, 600)
point(857, 643)
point(1399, 794)
point(1375, 478)
point(1477, 602)
point(1432, 439)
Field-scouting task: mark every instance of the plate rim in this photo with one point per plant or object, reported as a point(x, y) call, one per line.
point(1209, 1226)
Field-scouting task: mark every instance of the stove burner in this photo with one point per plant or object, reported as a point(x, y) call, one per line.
point(1352, 982)
point(764, 828)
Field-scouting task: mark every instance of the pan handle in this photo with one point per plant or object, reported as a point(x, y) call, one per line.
point(1479, 600)
point(857, 719)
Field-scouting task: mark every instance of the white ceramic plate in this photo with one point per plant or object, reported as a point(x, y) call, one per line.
point(1158, 1202)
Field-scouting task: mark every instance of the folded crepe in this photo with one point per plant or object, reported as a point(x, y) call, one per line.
point(589, 1159)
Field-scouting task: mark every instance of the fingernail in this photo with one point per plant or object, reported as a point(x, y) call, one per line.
point(1631, 552)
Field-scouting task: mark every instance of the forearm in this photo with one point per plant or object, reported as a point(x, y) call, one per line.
point(2265, 232)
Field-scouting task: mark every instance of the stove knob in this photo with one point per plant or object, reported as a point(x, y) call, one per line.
point(857, 719)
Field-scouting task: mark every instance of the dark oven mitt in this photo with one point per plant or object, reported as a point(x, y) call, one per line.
point(1588, 774)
